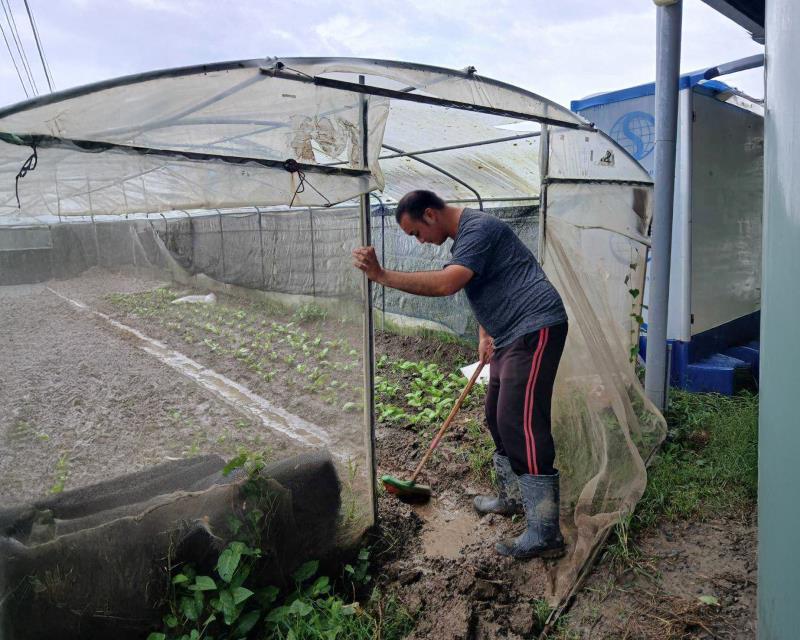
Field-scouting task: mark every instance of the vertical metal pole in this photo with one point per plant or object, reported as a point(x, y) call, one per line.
point(383, 260)
point(58, 195)
point(686, 105)
point(94, 224)
point(191, 237)
point(544, 169)
point(166, 228)
point(668, 56)
point(261, 244)
point(221, 244)
point(366, 287)
point(313, 268)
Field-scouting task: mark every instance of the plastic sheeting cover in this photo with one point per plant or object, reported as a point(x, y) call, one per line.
point(237, 111)
point(591, 156)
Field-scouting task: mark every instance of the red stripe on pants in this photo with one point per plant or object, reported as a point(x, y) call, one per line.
point(530, 442)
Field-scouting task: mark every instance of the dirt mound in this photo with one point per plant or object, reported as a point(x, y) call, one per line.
point(448, 355)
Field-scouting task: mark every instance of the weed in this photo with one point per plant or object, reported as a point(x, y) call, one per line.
point(479, 450)
point(61, 474)
point(250, 461)
point(314, 612)
point(20, 430)
point(541, 611)
point(201, 605)
point(194, 448)
point(352, 499)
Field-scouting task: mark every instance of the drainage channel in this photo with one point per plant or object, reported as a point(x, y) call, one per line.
point(234, 394)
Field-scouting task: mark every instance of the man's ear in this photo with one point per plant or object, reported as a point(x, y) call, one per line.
point(429, 216)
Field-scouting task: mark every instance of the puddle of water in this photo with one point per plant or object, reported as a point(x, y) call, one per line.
point(233, 393)
point(446, 530)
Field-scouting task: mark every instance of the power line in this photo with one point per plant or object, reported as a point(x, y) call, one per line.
point(47, 73)
point(12, 25)
point(14, 60)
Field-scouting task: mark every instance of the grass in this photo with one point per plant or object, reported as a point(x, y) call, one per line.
point(479, 451)
point(709, 465)
point(707, 468)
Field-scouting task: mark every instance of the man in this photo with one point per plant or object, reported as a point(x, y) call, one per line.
point(523, 327)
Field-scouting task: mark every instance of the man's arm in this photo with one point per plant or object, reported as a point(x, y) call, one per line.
point(485, 345)
point(444, 282)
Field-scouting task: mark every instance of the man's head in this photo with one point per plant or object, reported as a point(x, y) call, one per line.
point(419, 214)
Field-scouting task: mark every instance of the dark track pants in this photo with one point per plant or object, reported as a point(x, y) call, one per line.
point(519, 396)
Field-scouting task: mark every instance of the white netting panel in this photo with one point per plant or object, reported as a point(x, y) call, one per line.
point(603, 425)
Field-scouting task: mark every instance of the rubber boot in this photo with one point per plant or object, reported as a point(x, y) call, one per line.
point(508, 501)
point(542, 537)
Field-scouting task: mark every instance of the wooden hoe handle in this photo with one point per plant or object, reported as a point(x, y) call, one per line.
point(446, 425)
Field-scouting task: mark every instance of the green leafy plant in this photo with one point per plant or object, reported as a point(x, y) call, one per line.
point(309, 312)
point(218, 607)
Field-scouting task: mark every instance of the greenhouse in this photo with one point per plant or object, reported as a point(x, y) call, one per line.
point(176, 279)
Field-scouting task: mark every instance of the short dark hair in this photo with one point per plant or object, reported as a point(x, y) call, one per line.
point(414, 204)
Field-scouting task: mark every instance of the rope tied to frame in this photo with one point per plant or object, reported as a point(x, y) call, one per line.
point(28, 165)
point(292, 166)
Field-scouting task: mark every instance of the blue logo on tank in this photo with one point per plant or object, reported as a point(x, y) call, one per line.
point(636, 133)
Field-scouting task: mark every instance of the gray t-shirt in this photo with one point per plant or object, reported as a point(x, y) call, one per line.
point(509, 293)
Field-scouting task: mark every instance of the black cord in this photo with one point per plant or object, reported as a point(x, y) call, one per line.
point(292, 166)
point(29, 165)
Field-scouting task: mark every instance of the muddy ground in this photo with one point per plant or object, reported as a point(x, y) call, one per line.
point(83, 401)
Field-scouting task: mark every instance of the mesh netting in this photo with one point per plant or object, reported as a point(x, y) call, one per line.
point(107, 373)
point(603, 425)
point(116, 389)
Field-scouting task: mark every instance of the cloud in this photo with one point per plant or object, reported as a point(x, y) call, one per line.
point(176, 7)
point(562, 50)
point(371, 37)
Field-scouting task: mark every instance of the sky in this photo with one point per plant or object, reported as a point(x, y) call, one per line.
point(560, 49)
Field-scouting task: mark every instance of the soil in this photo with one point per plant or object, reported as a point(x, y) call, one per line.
point(658, 596)
point(82, 401)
